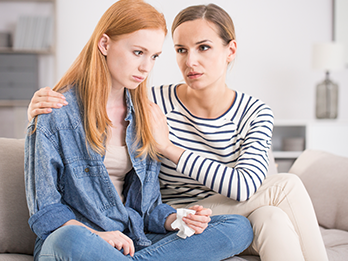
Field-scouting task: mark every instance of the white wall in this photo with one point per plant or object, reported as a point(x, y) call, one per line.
point(274, 48)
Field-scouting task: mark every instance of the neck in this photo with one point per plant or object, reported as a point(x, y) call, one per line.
point(208, 102)
point(116, 98)
point(117, 109)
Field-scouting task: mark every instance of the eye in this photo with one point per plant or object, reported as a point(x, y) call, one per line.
point(204, 47)
point(181, 50)
point(137, 53)
point(154, 57)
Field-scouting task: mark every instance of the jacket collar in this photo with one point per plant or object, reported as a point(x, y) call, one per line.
point(130, 107)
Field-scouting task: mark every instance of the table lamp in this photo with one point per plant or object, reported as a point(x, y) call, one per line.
point(327, 57)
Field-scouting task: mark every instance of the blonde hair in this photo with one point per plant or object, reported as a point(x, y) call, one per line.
point(211, 13)
point(90, 74)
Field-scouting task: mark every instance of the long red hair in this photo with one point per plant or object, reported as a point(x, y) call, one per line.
point(90, 74)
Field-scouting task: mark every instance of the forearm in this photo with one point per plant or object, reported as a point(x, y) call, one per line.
point(42, 167)
point(238, 182)
point(172, 152)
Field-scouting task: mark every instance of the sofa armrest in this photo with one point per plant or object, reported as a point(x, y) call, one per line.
point(15, 234)
point(325, 177)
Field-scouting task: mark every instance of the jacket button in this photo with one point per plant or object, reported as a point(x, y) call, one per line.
point(86, 169)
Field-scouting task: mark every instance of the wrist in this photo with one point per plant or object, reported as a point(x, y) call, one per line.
point(172, 152)
point(168, 223)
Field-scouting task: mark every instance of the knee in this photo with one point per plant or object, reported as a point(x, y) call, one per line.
point(68, 233)
point(269, 217)
point(288, 183)
point(63, 241)
point(238, 228)
point(242, 222)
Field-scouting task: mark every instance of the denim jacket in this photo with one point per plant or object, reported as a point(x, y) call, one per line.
point(65, 179)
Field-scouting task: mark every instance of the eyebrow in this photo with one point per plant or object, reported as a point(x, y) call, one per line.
point(143, 48)
point(203, 41)
point(146, 50)
point(197, 43)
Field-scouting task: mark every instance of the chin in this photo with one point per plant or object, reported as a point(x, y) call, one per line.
point(195, 85)
point(132, 86)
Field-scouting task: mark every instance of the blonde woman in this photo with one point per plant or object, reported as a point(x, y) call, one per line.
point(91, 168)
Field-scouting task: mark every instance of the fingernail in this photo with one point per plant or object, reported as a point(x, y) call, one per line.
point(59, 104)
point(65, 103)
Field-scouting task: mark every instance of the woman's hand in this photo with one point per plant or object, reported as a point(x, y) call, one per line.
point(160, 132)
point(199, 221)
point(43, 101)
point(118, 240)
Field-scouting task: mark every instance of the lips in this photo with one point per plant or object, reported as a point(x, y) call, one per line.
point(194, 75)
point(138, 78)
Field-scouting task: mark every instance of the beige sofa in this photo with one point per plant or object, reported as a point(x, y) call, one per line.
point(324, 175)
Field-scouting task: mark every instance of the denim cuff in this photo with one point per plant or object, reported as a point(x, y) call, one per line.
point(45, 221)
point(158, 217)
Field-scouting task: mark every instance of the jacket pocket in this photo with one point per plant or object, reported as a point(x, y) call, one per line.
point(88, 171)
point(92, 184)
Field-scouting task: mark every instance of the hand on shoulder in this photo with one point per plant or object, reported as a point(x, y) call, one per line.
point(43, 101)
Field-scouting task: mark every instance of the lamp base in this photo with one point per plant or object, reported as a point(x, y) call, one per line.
point(326, 99)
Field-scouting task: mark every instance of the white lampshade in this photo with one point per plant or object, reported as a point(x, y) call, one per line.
point(328, 56)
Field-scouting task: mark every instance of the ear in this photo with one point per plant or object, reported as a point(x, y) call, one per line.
point(103, 44)
point(232, 50)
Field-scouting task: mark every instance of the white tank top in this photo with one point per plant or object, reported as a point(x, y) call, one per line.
point(118, 164)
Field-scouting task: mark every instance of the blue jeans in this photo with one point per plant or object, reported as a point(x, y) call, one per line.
point(225, 236)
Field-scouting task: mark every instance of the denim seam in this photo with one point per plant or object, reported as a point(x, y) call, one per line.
point(233, 245)
point(49, 135)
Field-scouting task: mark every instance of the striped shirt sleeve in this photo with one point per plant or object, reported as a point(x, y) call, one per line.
point(242, 180)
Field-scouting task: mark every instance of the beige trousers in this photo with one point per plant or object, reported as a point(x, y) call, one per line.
point(283, 219)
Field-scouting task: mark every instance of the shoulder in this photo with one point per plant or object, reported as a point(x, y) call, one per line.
point(161, 92)
point(67, 117)
point(164, 96)
point(251, 111)
point(246, 102)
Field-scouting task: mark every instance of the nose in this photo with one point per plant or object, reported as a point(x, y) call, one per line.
point(146, 65)
point(191, 59)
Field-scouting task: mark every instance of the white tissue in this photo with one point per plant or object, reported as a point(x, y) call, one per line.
point(184, 230)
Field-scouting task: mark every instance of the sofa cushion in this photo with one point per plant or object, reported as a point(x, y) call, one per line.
point(15, 257)
point(241, 258)
point(336, 243)
point(15, 234)
point(325, 177)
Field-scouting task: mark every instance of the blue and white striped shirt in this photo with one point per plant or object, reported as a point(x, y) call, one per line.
point(227, 155)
